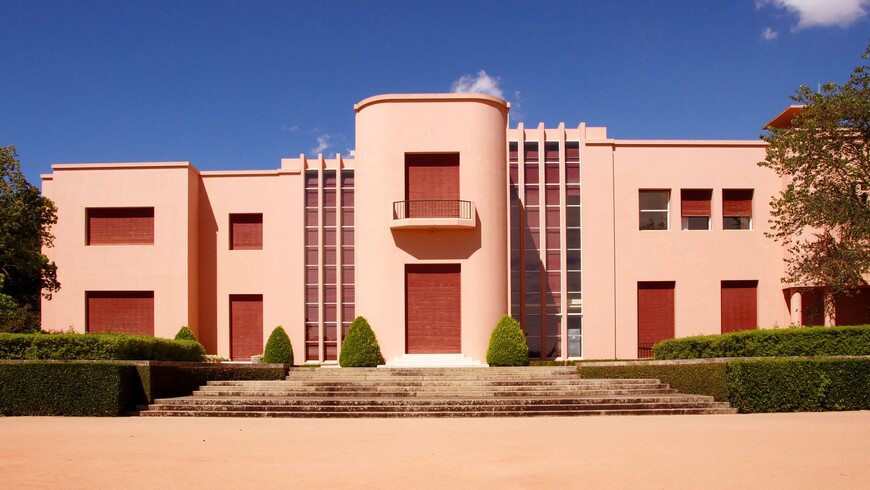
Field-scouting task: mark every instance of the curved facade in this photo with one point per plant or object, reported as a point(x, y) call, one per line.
point(431, 221)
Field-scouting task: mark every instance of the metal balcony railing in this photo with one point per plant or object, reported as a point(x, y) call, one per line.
point(644, 350)
point(432, 209)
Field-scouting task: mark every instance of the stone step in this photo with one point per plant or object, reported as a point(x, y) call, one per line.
point(569, 383)
point(200, 400)
point(404, 413)
point(430, 392)
point(436, 408)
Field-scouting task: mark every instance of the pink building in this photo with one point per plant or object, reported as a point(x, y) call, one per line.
point(444, 221)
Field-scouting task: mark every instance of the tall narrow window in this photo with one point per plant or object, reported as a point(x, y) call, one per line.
point(739, 305)
point(119, 226)
point(654, 206)
point(655, 315)
point(695, 208)
point(432, 185)
point(737, 209)
point(246, 231)
point(513, 152)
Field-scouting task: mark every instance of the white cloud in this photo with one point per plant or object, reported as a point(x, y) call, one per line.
point(822, 13)
point(351, 153)
point(516, 107)
point(481, 83)
point(289, 129)
point(769, 34)
point(322, 144)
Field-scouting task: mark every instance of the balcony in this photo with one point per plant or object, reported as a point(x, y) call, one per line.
point(433, 215)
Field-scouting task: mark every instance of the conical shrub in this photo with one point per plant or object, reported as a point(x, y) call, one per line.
point(185, 333)
point(360, 346)
point(278, 348)
point(507, 345)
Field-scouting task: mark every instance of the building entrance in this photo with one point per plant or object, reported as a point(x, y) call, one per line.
point(432, 309)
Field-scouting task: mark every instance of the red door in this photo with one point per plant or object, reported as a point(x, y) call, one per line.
point(246, 326)
point(432, 308)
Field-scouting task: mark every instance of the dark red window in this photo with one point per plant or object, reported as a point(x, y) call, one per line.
point(120, 226)
point(739, 305)
point(737, 209)
point(130, 312)
point(246, 231)
point(655, 314)
point(695, 208)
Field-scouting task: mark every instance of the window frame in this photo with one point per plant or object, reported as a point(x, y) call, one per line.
point(667, 209)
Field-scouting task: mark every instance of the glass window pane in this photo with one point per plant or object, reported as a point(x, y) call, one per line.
point(347, 197)
point(572, 173)
point(736, 223)
point(573, 281)
point(551, 174)
point(654, 200)
point(532, 176)
point(347, 217)
point(553, 348)
point(572, 196)
point(329, 178)
point(329, 198)
point(572, 238)
point(696, 223)
point(572, 217)
point(329, 217)
point(653, 220)
point(533, 197)
point(554, 260)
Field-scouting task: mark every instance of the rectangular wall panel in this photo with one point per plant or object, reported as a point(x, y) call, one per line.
point(130, 312)
point(739, 305)
point(433, 310)
point(246, 326)
point(655, 314)
point(120, 226)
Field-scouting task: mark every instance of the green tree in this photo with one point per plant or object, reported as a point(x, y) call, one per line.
point(822, 216)
point(507, 344)
point(278, 348)
point(26, 218)
point(360, 347)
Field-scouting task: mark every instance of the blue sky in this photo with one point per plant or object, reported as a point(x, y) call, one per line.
point(238, 85)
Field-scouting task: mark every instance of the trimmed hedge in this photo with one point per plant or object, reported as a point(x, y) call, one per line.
point(185, 333)
point(810, 341)
point(97, 347)
point(62, 388)
point(108, 388)
point(698, 379)
point(799, 385)
point(507, 344)
point(278, 348)
point(360, 347)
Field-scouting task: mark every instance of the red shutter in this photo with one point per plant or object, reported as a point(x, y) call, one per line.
point(432, 308)
point(246, 326)
point(655, 312)
point(737, 202)
point(853, 310)
point(696, 202)
point(531, 152)
point(246, 231)
point(432, 177)
point(120, 226)
point(572, 151)
point(739, 305)
point(551, 152)
point(513, 152)
point(130, 312)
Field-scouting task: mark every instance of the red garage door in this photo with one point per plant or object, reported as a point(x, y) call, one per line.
point(246, 326)
point(130, 312)
point(432, 306)
point(655, 315)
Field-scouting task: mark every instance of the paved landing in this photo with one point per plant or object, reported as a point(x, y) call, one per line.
point(805, 450)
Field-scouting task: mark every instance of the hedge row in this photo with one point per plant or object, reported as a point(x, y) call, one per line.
point(61, 388)
point(697, 379)
point(105, 388)
point(799, 385)
point(761, 385)
point(810, 341)
point(69, 347)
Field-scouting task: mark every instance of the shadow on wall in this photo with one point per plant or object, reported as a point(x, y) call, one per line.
point(439, 244)
point(207, 257)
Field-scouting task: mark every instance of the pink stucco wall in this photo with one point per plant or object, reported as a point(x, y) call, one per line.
point(387, 128)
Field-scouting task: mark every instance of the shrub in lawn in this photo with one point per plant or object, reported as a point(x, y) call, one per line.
point(360, 346)
point(507, 344)
point(278, 348)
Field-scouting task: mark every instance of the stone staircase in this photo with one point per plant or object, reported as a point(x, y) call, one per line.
point(434, 392)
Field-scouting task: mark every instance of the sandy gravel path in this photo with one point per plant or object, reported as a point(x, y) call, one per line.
point(809, 450)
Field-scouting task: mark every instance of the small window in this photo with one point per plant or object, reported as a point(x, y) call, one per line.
point(129, 312)
point(119, 226)
point(551, 151)
point(530, 151)
point(572, 151)
point(695, 208)
point(737, 209)
point(246, 231)
point(654, 209)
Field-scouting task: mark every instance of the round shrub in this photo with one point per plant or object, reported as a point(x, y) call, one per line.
point(278, 349)
point(507, 345)
point(360, 347)
point(185, 333)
